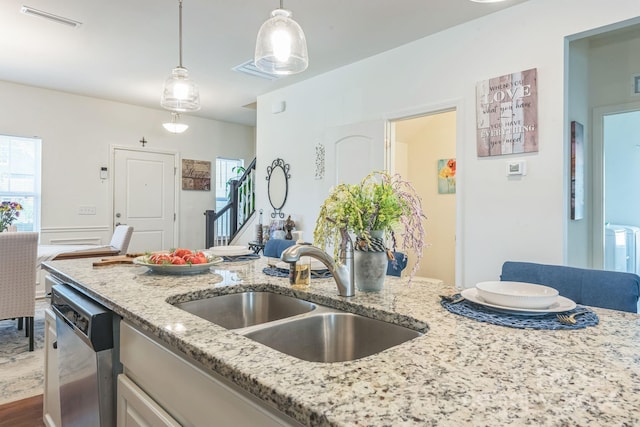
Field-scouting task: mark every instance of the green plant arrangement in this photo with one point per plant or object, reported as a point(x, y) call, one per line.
point(380, 202)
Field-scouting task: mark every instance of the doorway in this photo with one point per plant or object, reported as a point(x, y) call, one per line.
point(144, 197)
point(600, 85)
point(618, 136)
point(423, 151)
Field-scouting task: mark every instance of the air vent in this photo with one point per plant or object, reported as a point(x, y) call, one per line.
point(50, 16)
point(250, 68)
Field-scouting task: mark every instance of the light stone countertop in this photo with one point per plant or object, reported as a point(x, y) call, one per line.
point(460, 372)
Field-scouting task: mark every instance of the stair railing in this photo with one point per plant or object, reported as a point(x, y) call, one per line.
point(223, 226)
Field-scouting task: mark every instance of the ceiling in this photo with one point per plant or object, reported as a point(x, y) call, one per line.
point(125, 49)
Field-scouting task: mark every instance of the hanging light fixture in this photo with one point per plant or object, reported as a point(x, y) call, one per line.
point(180, 93)
point(174, 126)
point(281, 47)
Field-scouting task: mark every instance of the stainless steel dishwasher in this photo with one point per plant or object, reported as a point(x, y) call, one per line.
point(85, 337)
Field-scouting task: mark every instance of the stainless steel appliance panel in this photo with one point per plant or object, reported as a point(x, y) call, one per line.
point(85, 359)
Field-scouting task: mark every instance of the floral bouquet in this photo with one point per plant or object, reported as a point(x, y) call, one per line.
point(9, 212)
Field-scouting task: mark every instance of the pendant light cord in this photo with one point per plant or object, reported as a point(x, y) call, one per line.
point(180, 30)
point(281, 4)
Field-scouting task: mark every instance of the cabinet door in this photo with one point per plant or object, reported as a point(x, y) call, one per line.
point(51, 398)
point(137, 409)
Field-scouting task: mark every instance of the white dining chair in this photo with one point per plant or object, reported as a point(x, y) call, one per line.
point(121, 238)
point(18, 257)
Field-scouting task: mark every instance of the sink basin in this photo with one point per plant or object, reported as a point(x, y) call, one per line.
point(299, 328)
point(332, 337)
point(246, 309)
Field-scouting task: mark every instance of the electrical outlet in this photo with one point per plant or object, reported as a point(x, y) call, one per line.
point(87, 210)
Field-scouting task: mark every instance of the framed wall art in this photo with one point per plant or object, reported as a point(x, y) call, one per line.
point(577, 171)
point(507, 114)
point(447, 176)
point(196, 175)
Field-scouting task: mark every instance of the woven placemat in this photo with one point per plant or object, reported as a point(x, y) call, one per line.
point(280, 272)
point(547, 321)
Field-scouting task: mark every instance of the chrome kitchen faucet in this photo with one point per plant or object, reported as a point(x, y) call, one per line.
point(342, 271)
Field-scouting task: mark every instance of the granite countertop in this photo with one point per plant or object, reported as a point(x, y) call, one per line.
point(460, 372)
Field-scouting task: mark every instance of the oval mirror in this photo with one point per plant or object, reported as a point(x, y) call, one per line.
point(278, 186)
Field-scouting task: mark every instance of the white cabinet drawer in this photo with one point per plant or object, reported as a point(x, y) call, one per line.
point(190, 395)
point(137, 409)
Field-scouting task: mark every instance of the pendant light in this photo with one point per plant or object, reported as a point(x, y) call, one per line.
point(174, 126)
point(180, 93)
point(281, 47)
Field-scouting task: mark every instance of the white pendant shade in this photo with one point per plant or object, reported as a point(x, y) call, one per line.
point(174, 126)
point(281, 47)
point(180, 93)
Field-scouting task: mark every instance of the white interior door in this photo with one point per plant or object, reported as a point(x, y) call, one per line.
point(144, 196)
point(356, 150)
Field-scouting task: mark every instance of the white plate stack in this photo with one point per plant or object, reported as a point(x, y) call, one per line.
point(518, 298)
point(229, 251)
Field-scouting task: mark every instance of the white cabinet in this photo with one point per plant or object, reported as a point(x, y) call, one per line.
point(137, 409)
point(168, 384)
point(51, 398)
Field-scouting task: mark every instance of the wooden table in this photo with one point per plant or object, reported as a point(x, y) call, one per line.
point(61, 252)
point(88, 253)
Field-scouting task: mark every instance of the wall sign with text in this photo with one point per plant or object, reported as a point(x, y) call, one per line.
point(507, 114)
point(196, 175)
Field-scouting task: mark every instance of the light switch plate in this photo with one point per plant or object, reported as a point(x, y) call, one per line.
point(87, 210)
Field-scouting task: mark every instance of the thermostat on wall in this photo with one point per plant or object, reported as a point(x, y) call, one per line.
point(518, 167)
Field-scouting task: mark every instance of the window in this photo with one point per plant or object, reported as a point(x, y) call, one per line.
point(20, 178)
point(225, 170)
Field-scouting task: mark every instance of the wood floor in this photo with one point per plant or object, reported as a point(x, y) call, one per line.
point(22, 413)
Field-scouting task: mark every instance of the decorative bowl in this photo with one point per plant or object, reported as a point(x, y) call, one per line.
point(183, 269)
point(517, 294)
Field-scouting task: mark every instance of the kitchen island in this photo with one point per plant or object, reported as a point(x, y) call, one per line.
point(460, 372)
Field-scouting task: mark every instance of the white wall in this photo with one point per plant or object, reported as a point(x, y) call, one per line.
point(502, 219)
point(77, 134)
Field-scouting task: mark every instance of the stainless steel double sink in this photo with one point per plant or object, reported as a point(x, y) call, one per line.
point(299, 328)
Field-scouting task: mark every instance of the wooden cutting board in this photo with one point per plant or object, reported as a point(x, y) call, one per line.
point(119, 259)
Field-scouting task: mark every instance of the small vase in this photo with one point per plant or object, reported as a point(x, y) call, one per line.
point(370, 270)
point(377, 234)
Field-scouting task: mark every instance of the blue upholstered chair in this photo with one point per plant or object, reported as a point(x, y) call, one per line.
point(598, 288)
point(395, 267)
point(274, 247)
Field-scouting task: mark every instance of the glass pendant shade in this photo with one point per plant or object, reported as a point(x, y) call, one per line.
point(281, 47)
point(180, 93)
point(174, 126)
